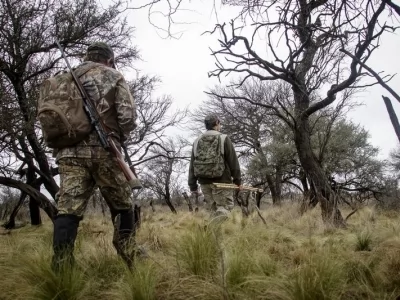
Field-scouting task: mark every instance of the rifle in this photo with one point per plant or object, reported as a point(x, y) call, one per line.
point(102, 131)
point(234, 186)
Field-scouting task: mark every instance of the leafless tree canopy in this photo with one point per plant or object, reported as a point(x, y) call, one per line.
point(155, 117)
point(313, 39)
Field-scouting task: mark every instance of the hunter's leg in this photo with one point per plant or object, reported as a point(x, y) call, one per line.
point(76, 186)
point(117, 193)
point(208, 197)
point(224, 201)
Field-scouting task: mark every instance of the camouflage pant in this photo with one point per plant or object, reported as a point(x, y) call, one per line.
point(218, 200)
point(79, 176)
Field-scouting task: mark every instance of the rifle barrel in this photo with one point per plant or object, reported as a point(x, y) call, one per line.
point(234, 186)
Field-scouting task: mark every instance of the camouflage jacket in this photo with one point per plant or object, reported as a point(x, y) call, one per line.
point(232, 167)
point(109, 91)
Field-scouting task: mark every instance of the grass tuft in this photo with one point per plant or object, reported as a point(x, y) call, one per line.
point(198, 250)
point(363, 241)
point(140, 284)
point(320, 278)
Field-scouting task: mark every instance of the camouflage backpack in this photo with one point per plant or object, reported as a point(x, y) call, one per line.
point(209, 156)
point(60, 110)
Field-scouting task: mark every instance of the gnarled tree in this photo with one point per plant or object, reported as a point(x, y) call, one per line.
point(310, 60)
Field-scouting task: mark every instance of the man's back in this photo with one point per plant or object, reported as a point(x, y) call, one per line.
point(109, 92)
point(228, 168)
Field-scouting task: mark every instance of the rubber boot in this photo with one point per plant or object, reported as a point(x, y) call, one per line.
point(124, 235)
point(65, 232)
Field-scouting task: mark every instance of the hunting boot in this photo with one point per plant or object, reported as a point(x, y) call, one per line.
point(124, 237)
point(65, 232)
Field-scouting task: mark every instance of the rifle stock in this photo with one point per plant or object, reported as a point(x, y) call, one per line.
point(128, 171)
point(103, 132)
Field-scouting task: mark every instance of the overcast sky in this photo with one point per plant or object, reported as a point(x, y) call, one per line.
point(183, 63)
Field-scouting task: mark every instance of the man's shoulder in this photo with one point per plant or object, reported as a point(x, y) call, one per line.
point(100, 70)
point(226, 138)
point(212, 133)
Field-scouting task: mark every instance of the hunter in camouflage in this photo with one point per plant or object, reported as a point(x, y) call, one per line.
point(214, 160)
point(87, 164)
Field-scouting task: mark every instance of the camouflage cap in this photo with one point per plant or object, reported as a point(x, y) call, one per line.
point(211, 120)
point(101, 48)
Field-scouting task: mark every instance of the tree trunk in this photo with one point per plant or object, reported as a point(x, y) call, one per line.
point(39, 152)
point(31, 179)
point(323, 192)
point(153, 209)
point(303, 180)
point(278, 185)
point(273, 185)
point(41, 199)
point(258, 199)
point(171, 206)
point(34, 212)
point(309, 196)
point(275, 194)
point(392, 115)
point(10, 224)
point(169, 203)
point(188, 201)
point(5, 209)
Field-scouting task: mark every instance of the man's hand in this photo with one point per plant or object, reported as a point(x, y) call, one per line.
point(240, 187)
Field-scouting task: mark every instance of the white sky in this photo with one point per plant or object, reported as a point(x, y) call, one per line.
point(183, 64)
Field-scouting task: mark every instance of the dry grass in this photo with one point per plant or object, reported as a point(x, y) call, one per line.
point(291, 257)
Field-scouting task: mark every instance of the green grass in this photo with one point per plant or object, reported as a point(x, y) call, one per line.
point(198, 251)
point(293, 257)
point(140, 284)
point(364, 241)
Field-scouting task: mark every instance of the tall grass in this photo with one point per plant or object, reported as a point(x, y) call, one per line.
point(292, 257)
point(319, 278)
point(140, 284)
point(198, 251)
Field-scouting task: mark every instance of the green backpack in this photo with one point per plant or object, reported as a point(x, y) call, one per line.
point(61, 114)
point(208, 153)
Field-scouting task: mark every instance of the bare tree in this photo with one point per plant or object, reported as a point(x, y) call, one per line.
point(265, 143)
point(188, 201)
point(163, 173)
point(313, 33)
point(386, 100)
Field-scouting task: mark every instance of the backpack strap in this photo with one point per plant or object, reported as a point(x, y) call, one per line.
point(195, 145)
point(222, 145)
point(80, 71)
point(222, 138)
